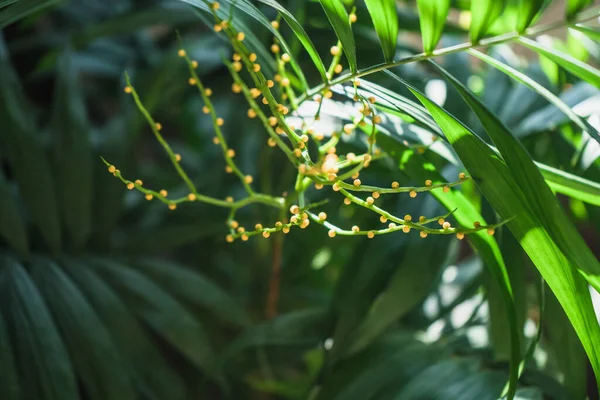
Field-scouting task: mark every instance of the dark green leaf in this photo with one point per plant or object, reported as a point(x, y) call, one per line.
point(453, 379)
point(9, 380)
point(95, 358)
point(22, 9)
point(338, 17)
point(12, 228)
point(161, 311)
point(384, 367)
point(27, 155)
point(483, 16)
point(385, 19)
point(189, 285)
point(42, 361)
point(301, 328)
point(301, 35)
point(72, 153)
point(574, 66)
point(152, 374)
point(432, 16)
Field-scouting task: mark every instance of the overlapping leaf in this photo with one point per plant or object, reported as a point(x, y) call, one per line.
point(94, 356)
point(301, 35)
point(34, 337)
point(571, 64)
point(432, 17)
point(72, 153)
point(551, 255)
point(385, 19)
point(338, 17)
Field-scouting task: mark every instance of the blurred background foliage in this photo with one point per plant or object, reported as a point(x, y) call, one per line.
point(106, 296)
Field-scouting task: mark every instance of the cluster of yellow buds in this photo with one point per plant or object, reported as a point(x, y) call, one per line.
point(278, 100)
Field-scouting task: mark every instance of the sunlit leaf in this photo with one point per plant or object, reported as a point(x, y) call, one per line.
point(432, 16)
point(385, 19)
point(574, 66)
point(547, 94)
point(483, 15)
point(574, 6)
point(338, 17)
point(558, 255)
point(527, 11)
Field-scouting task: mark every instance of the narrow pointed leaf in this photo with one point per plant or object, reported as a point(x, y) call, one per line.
point(527, 11)
point(43, 364)
point(338, 17)
point(574, 66)
point(95, 358)
point(541, 90)
point(166, 316)
point(593, 34)
point(560, 181)
point(567, 348)
point(150, 369)
point(301, 35)
point(12, 228)
point(543, 204)
point(253, 42)
point(385, 19)
point(193, 287)
point(26, 154)
point(251, 10)
point(22, 9)
point(72, 153)
point(432, 17)
point(572, 185)
point(496, 182)
point(483, 15)
point(574, 6)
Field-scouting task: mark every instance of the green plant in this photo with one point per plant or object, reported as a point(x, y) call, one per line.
point(323, 318)
point(507, 176)
point(71, 310)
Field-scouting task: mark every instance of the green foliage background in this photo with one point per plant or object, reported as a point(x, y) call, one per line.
point(104, 295)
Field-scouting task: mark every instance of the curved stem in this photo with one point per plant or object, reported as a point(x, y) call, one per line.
point(533, 31)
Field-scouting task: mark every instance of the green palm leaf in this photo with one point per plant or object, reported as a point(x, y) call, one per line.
point(496, 182)
point(34, 337)
point(432, 17)
point(385, 19)
point(152, 374)
point(338, 17)
point(571, 64)
point(95, 358)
